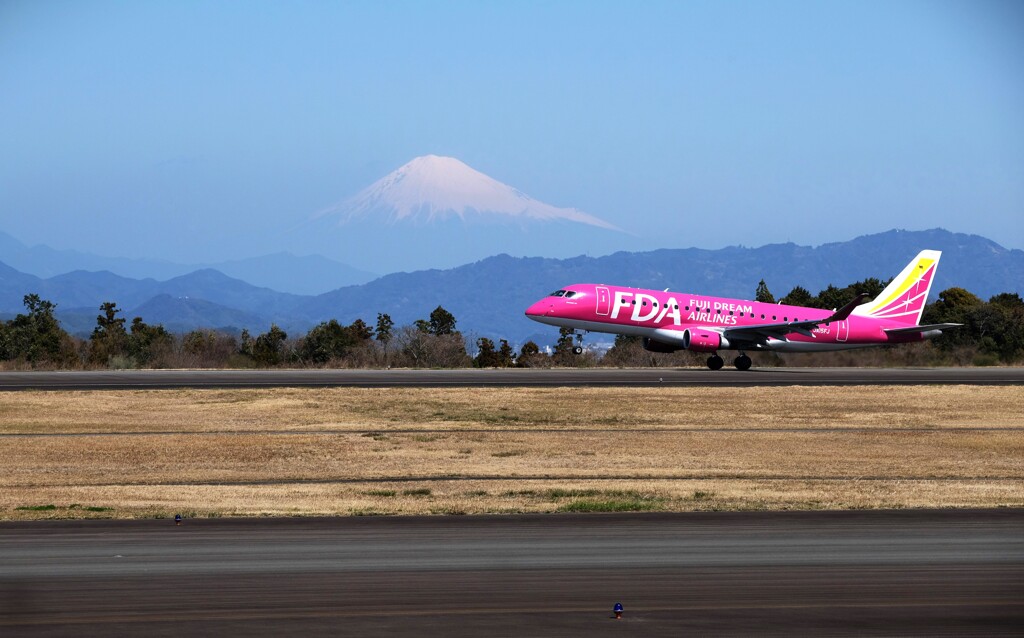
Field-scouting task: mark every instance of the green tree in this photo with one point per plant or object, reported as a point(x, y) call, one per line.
point(360, 331)
point(245, 343)
point(385, 333)
point(529, 349)
point(955, 305)
point(199, 342)
point(422, 349)
point(36, 336)
point(506, 355)
point(1010, 300)
point(385, 328)
point(799, 296)
point(833, 297)
point(1009, 339)
point(330, 340)
point(209, 348)
point(763, 294)
point(147, 343)
point(489, 357)
point(564, 354)
point(109, 338)
point(442, 322)
point(628, 350)
point(530, 356)
point(486, 356)
point(267, 349)
point(324, 342)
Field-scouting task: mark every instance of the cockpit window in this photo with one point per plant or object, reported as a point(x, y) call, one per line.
point(558, 293)
point(570, 293)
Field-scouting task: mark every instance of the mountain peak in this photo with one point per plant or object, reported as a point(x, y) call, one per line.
point(434, 188)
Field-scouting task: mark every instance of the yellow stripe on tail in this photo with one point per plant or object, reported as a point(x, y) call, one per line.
point(904, 298)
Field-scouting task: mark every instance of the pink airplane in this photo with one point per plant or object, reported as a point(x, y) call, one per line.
point(670, 321)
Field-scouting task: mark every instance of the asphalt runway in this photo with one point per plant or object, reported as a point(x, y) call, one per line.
point(925, 572)
point(158, 379)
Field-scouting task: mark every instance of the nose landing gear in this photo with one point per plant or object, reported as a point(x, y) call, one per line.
point(578, 349)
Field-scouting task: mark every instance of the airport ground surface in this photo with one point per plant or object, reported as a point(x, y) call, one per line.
point(507, 450)
point(923, 572)
point(235, 443)
point(153, 379)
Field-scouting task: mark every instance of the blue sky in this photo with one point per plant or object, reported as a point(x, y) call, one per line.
point(196, 131)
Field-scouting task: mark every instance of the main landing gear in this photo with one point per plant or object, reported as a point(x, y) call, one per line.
point(741, 362)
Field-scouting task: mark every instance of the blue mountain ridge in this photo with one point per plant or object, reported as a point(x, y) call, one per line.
point(309, 274)
point(487, 297)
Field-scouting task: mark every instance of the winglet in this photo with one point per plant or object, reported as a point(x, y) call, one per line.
point(845, 311)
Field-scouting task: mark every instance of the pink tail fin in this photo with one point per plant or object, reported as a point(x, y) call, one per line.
point(904, 298)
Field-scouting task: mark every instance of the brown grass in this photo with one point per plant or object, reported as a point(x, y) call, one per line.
point(450, 451)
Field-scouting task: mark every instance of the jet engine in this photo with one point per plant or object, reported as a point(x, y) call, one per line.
point(703, 340)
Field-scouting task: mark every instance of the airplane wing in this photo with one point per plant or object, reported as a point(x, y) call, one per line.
point(760, 333)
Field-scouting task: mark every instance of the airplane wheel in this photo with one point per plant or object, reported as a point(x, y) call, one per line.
point(577, 350)
point(715, 362)
point(742, 362)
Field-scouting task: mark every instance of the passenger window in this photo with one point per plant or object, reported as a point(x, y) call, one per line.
point(773, 318)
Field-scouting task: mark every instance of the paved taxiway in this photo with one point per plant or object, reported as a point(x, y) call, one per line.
point(151, 379)
point(953, 572)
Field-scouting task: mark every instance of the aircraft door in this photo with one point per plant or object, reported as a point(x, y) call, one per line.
point(842, 331)
point(604, 301)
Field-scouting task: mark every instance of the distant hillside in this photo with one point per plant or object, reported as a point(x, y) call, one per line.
point(488, 297)
point(181, 314)
point(284, 272)
point(82, 289)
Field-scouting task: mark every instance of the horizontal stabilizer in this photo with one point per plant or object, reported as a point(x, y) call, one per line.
point(926, 328)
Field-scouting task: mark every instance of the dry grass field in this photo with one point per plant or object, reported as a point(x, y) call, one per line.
point(450, 451)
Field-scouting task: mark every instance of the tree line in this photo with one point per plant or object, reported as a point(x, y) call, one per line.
point(993, 333)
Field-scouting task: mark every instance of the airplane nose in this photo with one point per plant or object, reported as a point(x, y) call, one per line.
point(538, 309)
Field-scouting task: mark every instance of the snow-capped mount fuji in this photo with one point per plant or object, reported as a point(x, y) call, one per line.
point(437, 212)
point(433, 189)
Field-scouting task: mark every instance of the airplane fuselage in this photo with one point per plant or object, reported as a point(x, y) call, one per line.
point(664, 316)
